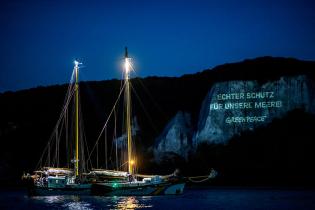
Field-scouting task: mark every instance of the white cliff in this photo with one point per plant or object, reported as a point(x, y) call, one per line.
point(235, 106)
point(176, 137)
point(232, 107)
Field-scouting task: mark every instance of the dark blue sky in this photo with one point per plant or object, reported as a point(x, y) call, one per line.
point(40, 39)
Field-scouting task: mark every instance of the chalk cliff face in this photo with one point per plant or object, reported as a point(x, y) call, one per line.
point(176, 137)
point(232, 107)
point(235, 106)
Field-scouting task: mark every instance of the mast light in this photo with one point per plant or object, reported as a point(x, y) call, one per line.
point(127, 65)
point(77, 63)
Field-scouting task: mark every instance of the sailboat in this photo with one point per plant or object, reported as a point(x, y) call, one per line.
point(75, 179)
point(121, 183)
point(50, 178)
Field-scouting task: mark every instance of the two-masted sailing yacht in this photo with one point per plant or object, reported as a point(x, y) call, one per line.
point(75, 179)
point(50, 179)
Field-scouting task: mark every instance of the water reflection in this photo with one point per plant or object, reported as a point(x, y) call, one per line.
point(131, 202)
point(77, 205)
point(97, 202)
point(49, 199)
point(64, 202)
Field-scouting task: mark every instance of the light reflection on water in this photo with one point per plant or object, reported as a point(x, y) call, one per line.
point(88, 203)
point(197, 198)
point(50, 199)
point(77, 205)
point(65, 202)
point(131, 203)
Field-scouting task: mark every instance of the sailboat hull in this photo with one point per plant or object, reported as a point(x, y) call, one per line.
point(79, 189)
point(105, 189)
point(137, 189)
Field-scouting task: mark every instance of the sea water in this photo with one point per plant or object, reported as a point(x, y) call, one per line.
point(192, 198)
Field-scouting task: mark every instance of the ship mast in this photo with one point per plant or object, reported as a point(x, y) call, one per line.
point(128, 112)
point(76, 161)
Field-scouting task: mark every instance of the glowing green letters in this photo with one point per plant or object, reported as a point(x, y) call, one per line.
point(254, 101)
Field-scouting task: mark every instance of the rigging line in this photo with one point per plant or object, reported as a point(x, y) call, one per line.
point(199, 181)
point(112, 145)
point(82, 138)
point(64, 108)
point(107, 120)
point(153, 100)
point(49, 154)
point(67, 140)
point(115, 137)
point(57, 124)
point(87, 150)
point(105, 135)
point(151, 97)
point(84, 143)
point(113, 141)
point(145, 111)
point(83, 162)
point(97, 155)
point(66, 119)
point(58, 136)
point(69, 86)
point(68, 97)
point(51, 137)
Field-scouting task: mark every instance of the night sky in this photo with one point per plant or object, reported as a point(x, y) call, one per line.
point(39, 39)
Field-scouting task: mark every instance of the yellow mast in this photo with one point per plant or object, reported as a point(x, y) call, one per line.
point(76, 68)
point(128, 112)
